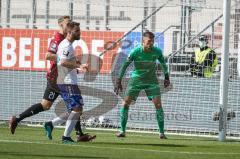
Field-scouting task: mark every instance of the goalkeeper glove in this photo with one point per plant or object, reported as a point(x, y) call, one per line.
point(118, 86)
point(166, 81)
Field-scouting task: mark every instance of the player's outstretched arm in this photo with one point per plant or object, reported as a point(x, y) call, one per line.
point(163, 64)
point(118, 86)
point(165, 70)
point(124, 68)
point(166, 80)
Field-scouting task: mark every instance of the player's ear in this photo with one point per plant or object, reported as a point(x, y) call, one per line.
point(71, 32)
point(61, 25)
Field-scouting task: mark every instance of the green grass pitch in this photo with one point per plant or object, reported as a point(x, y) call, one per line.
point(31, 143)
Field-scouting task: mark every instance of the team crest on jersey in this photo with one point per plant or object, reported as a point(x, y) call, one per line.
point(53, 47)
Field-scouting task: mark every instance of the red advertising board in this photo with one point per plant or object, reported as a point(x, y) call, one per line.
point(25, 49)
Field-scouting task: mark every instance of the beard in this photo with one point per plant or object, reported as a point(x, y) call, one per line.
point(77, 37)
point(148, 47)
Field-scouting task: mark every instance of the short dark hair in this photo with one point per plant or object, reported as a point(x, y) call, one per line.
point(71, 25)
point(203, 38)
point(148, 34)
point(62, 18)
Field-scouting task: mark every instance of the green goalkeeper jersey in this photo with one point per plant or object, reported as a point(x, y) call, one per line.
point(145, 64)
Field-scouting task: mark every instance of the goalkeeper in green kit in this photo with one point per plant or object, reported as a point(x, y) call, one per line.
point(143, 78)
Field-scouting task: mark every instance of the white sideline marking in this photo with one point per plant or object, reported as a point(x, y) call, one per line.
point(121, 148)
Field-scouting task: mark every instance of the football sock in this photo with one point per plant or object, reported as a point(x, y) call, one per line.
point(78, 127)
point(34, 109)
point(160, 119)
point(124, 118)
point(71, 122)
point(60, 119)
point(57, 121)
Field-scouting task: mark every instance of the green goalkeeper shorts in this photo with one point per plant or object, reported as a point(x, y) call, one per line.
point(152, 90)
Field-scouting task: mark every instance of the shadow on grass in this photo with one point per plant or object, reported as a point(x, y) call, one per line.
point(193, 139)
point(232, 140)
point(138, 144)
point(20, 155)
point(204, 139)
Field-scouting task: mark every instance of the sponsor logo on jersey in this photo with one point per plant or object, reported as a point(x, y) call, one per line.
point(66, 53)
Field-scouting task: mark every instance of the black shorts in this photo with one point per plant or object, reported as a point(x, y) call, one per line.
point(51, 92)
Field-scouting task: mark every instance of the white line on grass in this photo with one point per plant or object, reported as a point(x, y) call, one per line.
point(131, 132)
point(147, 132)
point(120, 148)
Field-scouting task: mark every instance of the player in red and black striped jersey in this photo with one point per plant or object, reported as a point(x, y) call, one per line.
point(51, 91)
point(52, 50)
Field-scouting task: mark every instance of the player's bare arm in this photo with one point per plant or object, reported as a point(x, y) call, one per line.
point(71, 64)
point(50, 56)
